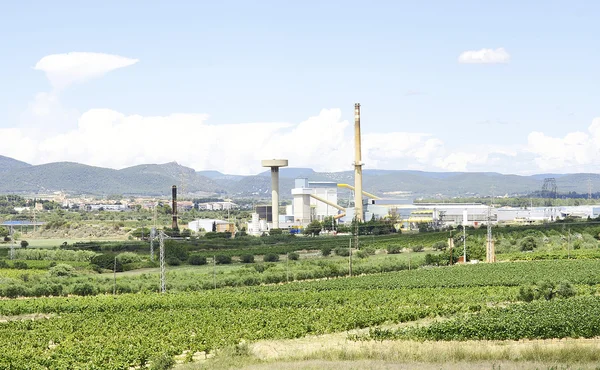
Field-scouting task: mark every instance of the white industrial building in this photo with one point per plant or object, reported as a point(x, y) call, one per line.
point(205, 224)
point(314, 200)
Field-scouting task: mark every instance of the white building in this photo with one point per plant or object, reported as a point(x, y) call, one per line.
point(205, 224)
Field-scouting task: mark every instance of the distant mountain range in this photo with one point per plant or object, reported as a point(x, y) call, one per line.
point(156, 180)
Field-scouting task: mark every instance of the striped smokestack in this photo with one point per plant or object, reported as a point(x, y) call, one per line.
point(174, 207)
point(358, 205)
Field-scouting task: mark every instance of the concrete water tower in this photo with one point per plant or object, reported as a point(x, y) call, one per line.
point(274, 164)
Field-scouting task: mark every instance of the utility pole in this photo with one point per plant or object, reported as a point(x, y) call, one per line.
point(12, 242)
point(163, 272)
point(489, 251)
point(464, 243)
point(350, 257)
point(215, 271)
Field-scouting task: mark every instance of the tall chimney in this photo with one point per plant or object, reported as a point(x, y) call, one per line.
point(174, 207)
point(358, 205)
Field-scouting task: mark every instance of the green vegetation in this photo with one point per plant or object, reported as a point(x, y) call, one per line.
point(152, 326)
point(572, 318)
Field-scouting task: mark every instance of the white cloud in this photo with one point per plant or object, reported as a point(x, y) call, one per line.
point(484, 56)
point(76, 67)
point(324, 142)
point(577, 151)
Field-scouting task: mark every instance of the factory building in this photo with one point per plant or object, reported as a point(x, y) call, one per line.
point(314, 200)
point(206, 224)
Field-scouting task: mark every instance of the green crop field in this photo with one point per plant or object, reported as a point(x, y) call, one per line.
point(128, 330)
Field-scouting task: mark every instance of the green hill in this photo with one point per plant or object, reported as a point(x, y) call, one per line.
point(156, 179)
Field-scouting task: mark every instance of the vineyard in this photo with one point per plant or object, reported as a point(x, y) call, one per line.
point(118, 332)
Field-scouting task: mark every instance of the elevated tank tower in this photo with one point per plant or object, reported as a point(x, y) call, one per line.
point(274, 164)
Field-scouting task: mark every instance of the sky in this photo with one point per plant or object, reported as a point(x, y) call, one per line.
point(503, 86)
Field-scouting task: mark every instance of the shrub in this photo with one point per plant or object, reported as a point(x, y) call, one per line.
point(528, 244)
point(362, 254)
point(526, 294)
point(293, 256)
point(129, 257)
point(432, 259)
point(342, 252)
point(271, 257)
point(418, 248)
point(325, 251)
point(162, 362)
point(173, 261)
point(14, 291)
point(24, 243)
point(20, 265)
point(393, 249)
point(222, 259)
point(62, 270)
point(175, 249)
point(107, 261)
point(247, 258)
point(3, 264)
point(84, 289)
point(565, 290)
point(440, 246)
point(197, 260)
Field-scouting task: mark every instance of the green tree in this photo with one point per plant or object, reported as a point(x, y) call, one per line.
point(328, 223)
point(275, 232)
point(314, 228)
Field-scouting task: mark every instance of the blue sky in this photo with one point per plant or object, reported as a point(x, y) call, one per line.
point(280, 63)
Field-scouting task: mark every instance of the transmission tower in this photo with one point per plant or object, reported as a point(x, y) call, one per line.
point(153, 236)
point(163, 273)
point(549, 189)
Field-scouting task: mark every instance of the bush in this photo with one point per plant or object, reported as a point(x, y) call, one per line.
point(3, 264)
point(162, 362)
point(173, 261)
point(197, 260)
point(271, 257)
point(129, 257)
point(325, 251)
point(565, 290)
point(362, 254)
point(342, 252)
point(418, 248)
point(107, 261)
point(247, 258)
point(84, 289)
point(293, 256)
point(394, 249)
point(14, 291)
point(62, 270)
point(440, 246)
point(20, 265)
point(528, 244)
point(526, 294)
point(24, 243)
point(432, 259)
point(222, 259)
point(175, 249)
